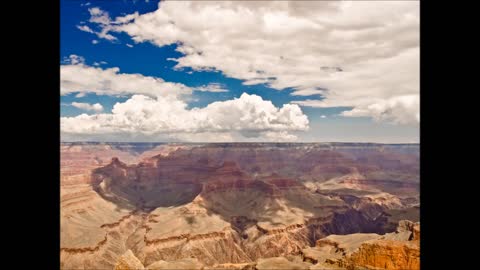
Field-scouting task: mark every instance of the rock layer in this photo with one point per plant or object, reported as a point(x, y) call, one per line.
point(397, 250)
point(234, 205)
point(128, 261)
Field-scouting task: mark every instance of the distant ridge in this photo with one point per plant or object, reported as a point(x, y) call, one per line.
point(244, 143)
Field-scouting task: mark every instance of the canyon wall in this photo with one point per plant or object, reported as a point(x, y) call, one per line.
point(233, 205)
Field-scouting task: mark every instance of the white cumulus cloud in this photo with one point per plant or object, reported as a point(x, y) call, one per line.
point(158, 110)
point(248, 117)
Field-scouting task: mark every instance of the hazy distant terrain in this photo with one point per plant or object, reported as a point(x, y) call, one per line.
point(239, 206)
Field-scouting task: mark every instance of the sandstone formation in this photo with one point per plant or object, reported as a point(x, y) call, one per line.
point(397, 250)
point(128, 261)
point(385, 254)
point(239, 206)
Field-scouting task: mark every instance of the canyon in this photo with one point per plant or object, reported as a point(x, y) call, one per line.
point(239, 206)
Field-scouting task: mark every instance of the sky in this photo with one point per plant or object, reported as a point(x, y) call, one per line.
point(240, 71)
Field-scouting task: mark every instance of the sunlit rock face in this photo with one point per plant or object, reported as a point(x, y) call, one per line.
point(231, 205)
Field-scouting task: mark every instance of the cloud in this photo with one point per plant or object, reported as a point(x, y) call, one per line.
point(78, 77)
point(212, 87)
point(361, 53)
point(158, 110)
point(74, 59)
point(398, 109)
point(102, 18)
point(85, 28)
point(129, 45)
point(248, 117)
point(99, 63)
point(99, 16)
point(401, 110)
point(308, 92)
point(323, 116)
point(126, 19)
point(97, 107)
point(103, 34)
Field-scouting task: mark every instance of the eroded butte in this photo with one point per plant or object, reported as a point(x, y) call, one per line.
point(239, 206)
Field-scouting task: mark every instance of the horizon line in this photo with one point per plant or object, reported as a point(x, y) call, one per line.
point(160, 142)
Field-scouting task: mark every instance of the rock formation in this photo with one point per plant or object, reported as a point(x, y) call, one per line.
point(239, 206)
point(397, 250)
point(280, 263)
point(187, 263)
point(128, 261)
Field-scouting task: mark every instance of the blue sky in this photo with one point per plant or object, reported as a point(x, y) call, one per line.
point(147, 58)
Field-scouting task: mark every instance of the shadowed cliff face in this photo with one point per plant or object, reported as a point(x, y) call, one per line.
point(141, 186)
point(252, 201)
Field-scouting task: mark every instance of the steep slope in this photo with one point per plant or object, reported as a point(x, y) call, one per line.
point(397, 250)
